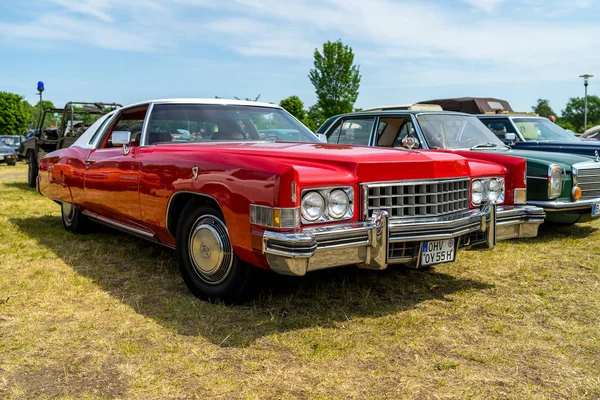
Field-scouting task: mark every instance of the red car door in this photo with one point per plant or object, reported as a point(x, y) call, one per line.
point(112, 175)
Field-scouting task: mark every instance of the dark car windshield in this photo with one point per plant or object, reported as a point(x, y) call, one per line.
point(189, 123)
point(455, 131)
point(10, 140)
point(534, 129)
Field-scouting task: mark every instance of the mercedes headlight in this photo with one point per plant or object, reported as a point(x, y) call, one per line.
point(338, 203)
point(554, 181)
point(477, 189)
point(313, 206)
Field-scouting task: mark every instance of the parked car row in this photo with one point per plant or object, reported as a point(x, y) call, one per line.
point(253, 188)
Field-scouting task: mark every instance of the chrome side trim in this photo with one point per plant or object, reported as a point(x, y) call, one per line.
point(118, 225)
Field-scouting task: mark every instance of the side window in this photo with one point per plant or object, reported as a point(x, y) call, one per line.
point(130, 120)
point(499, 127)
point(356, 131)
point(391, 131)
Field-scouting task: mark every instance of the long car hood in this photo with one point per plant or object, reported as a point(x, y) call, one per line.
point(6, 149)
point(367, 163)
point(541, 156)
point(581, 147)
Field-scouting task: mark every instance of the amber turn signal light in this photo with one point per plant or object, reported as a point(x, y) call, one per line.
point(576, 193)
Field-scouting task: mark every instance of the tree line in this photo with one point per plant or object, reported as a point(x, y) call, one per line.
point(572, 117)
point(336, 79)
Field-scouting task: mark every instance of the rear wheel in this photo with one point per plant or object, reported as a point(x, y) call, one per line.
point(207, 262)
point(73, 220)
point(32, 170)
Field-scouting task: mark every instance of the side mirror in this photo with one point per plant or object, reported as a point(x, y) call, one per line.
point(321, 137)
point(410, 142)
point(510, 137)
point(121, 138)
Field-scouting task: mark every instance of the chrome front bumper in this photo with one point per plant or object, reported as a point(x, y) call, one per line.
point(377, 242)
point(583, 205)
point(518, 221)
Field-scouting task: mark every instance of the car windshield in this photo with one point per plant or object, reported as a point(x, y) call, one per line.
point(3, 143)
point(534, 129)
point(455, 131)
point(8, 140)
point(185, 123)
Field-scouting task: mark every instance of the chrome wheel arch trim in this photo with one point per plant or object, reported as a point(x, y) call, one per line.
point(170, 203)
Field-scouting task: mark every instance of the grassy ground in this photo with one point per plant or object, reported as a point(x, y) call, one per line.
point(106, 315)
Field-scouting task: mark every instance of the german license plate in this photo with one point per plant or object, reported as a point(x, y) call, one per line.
point(595, 209)
point(437, 252)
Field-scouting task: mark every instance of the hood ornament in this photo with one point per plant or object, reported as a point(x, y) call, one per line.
point(195, 171)
point(597, 156)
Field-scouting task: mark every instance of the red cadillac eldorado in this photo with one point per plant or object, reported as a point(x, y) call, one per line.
point(234, 185)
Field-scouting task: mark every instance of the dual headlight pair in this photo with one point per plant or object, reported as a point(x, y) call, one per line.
point(326, 204)
point(487, 189)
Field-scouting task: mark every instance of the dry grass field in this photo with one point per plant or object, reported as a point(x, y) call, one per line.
point(106, 315)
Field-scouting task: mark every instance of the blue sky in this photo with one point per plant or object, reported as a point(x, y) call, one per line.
point(133, 50)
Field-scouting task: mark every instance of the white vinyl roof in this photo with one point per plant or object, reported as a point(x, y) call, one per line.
point(231, 102)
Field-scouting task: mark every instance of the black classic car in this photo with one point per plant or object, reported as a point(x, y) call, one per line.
point(526, 132)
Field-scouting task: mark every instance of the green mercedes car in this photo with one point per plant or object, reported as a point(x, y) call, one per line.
point(566, 186)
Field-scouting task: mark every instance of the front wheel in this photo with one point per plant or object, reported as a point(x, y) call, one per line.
point(73, 220)
point(32, 170)
point(209, 266)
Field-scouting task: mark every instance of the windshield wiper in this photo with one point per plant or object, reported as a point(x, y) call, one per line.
point(482, 145)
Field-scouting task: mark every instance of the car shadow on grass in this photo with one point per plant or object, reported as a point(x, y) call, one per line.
point(145, 276)
point(18, 185)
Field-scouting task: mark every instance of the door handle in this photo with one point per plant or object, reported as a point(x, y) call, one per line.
point(90, 161)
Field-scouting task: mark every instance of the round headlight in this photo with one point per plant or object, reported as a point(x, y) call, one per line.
point(496, 190)
point(338, 204)
point(554, 181)
point(477, 192)
point(313, 206)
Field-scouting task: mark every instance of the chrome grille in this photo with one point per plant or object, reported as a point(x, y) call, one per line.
point(416, 198)
point(588, 180)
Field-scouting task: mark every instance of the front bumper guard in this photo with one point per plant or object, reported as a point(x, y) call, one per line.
point(518, 221)
point(366, 243)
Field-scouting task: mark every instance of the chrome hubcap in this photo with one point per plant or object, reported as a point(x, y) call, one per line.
point(68, 212)
point(210, 249)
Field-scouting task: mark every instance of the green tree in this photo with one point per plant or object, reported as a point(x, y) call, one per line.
point(34, 119)
point(573, 112)
point(336, 79)
point(294, 106)
point(13, 113)
point(314, 118)
point(543, 109)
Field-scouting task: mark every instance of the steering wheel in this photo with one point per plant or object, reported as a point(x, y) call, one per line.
point(271, 136)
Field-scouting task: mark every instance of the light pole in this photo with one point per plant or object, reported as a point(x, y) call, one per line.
point(585, 84)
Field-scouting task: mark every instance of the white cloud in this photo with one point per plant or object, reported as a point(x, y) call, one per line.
point(496, 40)
point(484, 5)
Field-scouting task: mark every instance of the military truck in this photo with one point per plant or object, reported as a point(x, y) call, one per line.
point(75, 118)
